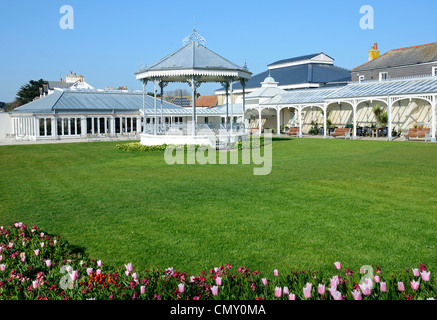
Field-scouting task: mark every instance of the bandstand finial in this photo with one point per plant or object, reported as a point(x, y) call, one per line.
point(194, 37)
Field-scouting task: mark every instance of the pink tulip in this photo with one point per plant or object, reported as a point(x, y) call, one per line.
point(278, 292)
point(357, 295)
point(99, 263)
point(1, 256)
point(376, 279)
point(336, 295)
point(321, 289)
point(218, 281)
point(143, 289)
point(291, 296)
point(2, 267)
point(41, 235)
point(36, 252)
point(415, 285)
point(214, 290)
point(383, 287)
point(48, 263)
point(337, 265)
point(425, 275)
point(275, 273)
point(134, 276)
point(42, 244)
point(264, 281)
point(129, 268)
point(307, 292)
point(415, 272)
point(366, 289)
point(181, 287)
point(192, 278)
point(11, 245)
point(401, 286)
point(74, 275)
point(89, 271)
point(35, 284)
point(98, 271)
point(309, 285)
point(286, 291)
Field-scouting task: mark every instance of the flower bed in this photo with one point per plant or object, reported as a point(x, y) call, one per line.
point(36, 265)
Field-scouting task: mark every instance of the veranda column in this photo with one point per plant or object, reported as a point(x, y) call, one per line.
point(112, 125)
point(154, 105)
point(389, 104)
point(325, 111)
point(138, 128)
point(433, 119)
point(54, 127)
point(354, 109)
point(299, 110)
point(37, 126)
point(259, 122)
point(83, 126)
point(278, 128)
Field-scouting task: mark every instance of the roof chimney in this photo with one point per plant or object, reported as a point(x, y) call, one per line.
point(374, 52)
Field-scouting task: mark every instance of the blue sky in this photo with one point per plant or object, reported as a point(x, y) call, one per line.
point(111, 38)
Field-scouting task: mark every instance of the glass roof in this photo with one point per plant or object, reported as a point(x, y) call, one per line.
point(385, 88)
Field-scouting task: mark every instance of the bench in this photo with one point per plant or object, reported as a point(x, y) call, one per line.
point(339, 132)
point(293, 131)
point(418, 133)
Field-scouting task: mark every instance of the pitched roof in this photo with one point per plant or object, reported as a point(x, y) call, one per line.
point(80, 101)
point(206, 101)
point(305, 57)
point(59, 84)
point(304, 73)
point(192, 56)
point(401, 57)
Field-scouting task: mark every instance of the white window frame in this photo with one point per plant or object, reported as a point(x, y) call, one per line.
point(361, 78)
point(383, 76)
point(434, 71)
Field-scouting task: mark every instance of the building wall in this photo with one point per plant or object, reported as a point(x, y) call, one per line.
point(397, 72)
point(5, 125)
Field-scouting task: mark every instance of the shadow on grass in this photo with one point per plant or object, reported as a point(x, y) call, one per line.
point(282, 139)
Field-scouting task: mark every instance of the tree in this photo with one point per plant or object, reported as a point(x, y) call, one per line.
point(29, 91)
point(381, 115)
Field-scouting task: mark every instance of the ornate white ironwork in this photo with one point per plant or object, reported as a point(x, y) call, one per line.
point(194, 37)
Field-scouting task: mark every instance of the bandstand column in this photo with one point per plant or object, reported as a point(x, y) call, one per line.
point(193, 97)
point(260, 121)
point(243, 84)
point(232, 107)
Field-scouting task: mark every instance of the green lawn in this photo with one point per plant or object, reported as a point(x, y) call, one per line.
point(358, 202)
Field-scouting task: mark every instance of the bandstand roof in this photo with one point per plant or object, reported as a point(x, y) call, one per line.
point(193, 59)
